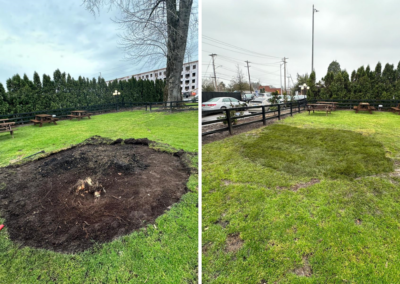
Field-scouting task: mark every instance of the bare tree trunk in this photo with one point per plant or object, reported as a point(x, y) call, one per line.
point(178, 26)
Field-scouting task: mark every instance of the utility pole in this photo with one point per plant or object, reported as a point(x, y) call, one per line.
point(215, 76)
point(248, 71)
point(284, 73)
point(280, 76)
point(312, 51)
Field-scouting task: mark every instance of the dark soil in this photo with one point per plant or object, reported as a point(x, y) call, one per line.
point(233, 243)
point(131, 185)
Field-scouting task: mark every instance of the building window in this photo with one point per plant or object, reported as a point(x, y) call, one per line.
point(151, 75)
point(193, 74)
point(187, 68)
point(193, 81)
point(165, 72)
point(194, 66)
point(160, 73)
point(192, 87)
point(147, 76)
point(187, 88)
point(181, 76)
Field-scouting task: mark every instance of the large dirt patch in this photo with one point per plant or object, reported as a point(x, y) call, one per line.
point(89, 194)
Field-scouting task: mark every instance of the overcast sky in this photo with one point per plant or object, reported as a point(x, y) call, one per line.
point(44, 35)
point(354, 33)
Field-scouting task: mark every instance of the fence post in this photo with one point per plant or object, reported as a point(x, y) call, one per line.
point(279, 112)
point(263, 114)
point(228, 117)
point(298, 107)
point(291, 109)
point(150, 106)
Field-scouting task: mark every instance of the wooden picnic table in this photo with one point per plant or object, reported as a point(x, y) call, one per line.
point(314, 107)
point(364, 107)
point(7, 126)
point(79, 114)
point(334, 104)
point(396, 109)
point(44, 118)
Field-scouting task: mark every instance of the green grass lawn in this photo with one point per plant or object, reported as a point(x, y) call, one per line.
point(165, 252)
point(311, 199)
point(178, 130)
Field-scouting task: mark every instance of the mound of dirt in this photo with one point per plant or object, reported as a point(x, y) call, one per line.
point(91, 193)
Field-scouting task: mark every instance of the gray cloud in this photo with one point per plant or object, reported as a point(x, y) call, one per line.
point(354, 33)
point(44, 35)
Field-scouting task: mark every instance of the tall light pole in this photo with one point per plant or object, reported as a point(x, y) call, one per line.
point(312, 55)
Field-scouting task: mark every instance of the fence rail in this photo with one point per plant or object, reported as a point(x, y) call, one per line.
point(279, 110)
point(349, 104)
point(24, 118)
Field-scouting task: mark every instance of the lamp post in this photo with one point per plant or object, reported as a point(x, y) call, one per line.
point(116, 93)
point(304, 87)
point(312, 53)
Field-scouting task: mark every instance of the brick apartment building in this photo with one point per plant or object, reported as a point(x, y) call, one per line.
point(270, 89)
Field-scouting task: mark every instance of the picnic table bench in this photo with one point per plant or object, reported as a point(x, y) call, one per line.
point(333, 104)
point(79, 114)
point(364, 107)
point(396, 109)
point(314, 107)
point(7, 126)
point(44, 118)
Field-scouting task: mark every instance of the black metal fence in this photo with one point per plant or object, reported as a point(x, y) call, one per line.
point(205, 96)
point(349, 104)
point(277, 110)
point(24, 118)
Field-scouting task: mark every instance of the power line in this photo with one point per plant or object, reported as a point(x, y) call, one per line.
point(237, 47)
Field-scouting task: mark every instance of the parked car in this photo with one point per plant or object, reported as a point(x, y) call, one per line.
point(263, 101)
point(221, 103)
point(263, 95)
point(247, 97)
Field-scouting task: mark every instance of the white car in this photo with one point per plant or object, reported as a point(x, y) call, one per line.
point(263, 101)
point(221, 103)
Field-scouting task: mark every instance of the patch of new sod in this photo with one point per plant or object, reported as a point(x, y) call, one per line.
point(164, 251)
point(271, 217)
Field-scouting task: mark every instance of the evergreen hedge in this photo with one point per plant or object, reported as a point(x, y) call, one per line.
point(63, 91)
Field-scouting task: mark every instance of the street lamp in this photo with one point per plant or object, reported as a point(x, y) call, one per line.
point(312, 53)
point(116, 93)
point(304, 87)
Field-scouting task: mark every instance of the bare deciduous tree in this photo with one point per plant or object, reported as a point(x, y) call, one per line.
point(155, 30)
point(238, 82)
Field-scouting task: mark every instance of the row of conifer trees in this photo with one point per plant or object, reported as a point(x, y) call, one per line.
point(362, 84)
point(63, 91)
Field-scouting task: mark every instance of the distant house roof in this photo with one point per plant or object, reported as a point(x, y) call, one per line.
point(270, 89)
